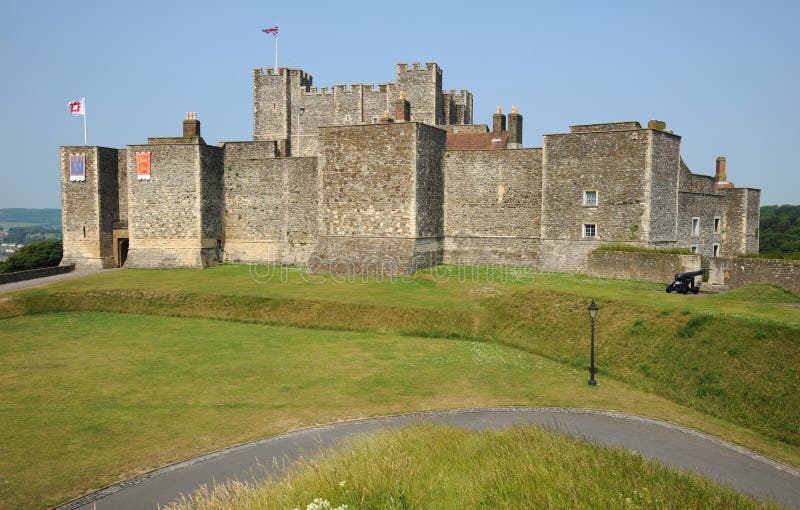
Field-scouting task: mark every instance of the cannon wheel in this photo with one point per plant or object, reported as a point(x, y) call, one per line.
point(669, 288)
point(695, 290)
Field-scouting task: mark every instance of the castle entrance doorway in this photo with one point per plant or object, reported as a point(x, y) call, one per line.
point(122, 251)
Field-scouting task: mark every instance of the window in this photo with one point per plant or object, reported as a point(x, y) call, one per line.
point(348, 118)
point(696, 227)
point(590, 198)
point(589, 230)
point(716, 224)
point(375, 120)
point(694, 248)
point(716, 250)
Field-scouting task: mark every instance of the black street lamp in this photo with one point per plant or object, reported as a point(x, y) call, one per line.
point(592, 314)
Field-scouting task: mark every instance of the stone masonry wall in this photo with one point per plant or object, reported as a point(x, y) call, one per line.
point(271, 205)
point(737, 272)
point(212, 203)
point(429, 197)
point(705, 208)
point(492, 206)
point(279, 97)
point(89, 208)
point(648, 267)
point(368, 209)
point(664, 163)
point(612, 163)
point(122, 182)
point(170, 226)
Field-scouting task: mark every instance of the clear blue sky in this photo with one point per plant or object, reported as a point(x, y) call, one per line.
point(723, 75)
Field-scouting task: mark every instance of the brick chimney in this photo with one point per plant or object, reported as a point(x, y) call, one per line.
point(498, 122)
point(721, 177)
point(402, 108)
point(514, 129)
point(191, 126)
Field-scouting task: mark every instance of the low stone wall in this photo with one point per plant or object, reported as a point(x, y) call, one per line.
point(648, 267)
point(737, 272)
point(20, 276)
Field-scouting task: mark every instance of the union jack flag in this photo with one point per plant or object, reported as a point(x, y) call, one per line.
point(271, 30)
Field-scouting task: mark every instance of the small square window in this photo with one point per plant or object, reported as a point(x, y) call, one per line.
point(589, 230)
point(694, 248)
point(348, 118)
point(716, 250)
point(590, 198)
point(375, 120)
point(716, 224)
point(695, 227)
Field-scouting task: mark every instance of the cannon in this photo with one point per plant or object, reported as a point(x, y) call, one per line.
point(684, 282)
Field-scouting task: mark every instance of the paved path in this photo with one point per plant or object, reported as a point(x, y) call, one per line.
point(673, 445)
point(8, 287)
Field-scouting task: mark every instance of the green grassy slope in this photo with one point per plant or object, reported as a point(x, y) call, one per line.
point(447, 468)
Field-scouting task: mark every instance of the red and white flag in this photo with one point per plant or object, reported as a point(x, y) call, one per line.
point(271, 30)
point(78, 107)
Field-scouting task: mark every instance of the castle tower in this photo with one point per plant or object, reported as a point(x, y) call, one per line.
point(423, 89)
point(273, 107)
point(176, 195)
point(90, 205)
point(380, 211)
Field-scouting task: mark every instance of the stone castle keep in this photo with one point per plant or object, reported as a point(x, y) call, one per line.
point(390, 179)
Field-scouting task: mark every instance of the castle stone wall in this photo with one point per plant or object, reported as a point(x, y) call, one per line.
point(122, 182)
point(368, 211)
point(706, 208)
point(89, 208)
point(271, 205)
point(740, 271)
point(172, 227)
point(648, 267)
point(492, 206)
point(662, 190)
point(613, 163)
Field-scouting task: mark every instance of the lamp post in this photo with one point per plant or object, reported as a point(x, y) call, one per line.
point(592, 314)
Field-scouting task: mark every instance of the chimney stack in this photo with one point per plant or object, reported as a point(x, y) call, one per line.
point(498, 122)
point(191, 126)
point(721, 177)
point(514, 129)
point(402, 108)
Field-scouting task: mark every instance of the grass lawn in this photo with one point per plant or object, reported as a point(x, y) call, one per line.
point(453, 469)
point(91, 397)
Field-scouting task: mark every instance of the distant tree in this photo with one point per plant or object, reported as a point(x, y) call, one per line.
point(33, 256)
point(780, 229)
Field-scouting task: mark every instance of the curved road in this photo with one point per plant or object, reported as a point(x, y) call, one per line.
point(670, 444)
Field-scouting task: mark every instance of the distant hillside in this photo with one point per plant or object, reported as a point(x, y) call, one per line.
point(780, 229)
point(38, 216)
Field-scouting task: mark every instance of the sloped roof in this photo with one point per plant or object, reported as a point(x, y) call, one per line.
point(476, 141)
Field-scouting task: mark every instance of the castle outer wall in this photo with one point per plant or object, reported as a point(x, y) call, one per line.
point(391, 179)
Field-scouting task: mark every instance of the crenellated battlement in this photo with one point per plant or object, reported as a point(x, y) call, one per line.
point(341, 88)
point(302, 78)
point(287, 107)
point(402, 67)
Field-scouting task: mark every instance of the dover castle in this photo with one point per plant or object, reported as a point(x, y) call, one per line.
point(390, 179)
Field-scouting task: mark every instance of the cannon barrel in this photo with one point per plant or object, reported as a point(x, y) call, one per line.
point(690, 274)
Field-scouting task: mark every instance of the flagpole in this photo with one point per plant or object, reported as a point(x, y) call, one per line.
point(84, 122)
point(276, 47)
